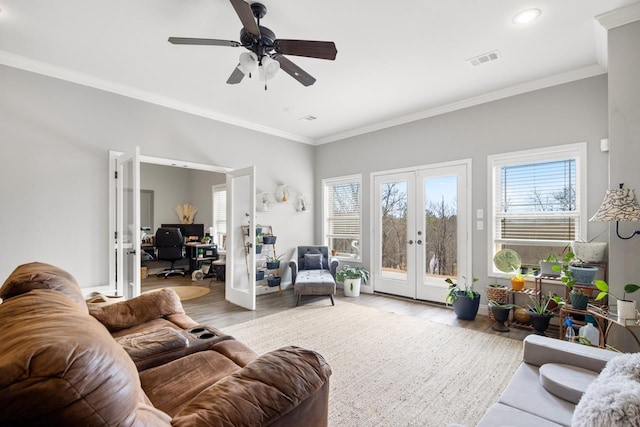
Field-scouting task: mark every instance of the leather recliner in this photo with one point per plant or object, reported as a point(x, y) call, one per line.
point(62, 366)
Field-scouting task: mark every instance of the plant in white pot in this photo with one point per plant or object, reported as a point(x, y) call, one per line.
point(626, 308)
point(352, 278)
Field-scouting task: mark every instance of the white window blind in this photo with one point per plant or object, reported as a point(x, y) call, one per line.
point(537, 201)
point(220, 213)
point(342, 216)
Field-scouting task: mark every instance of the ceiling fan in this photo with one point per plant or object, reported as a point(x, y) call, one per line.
point(265, 51)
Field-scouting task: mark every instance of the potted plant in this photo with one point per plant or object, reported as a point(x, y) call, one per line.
point(497, 293)
point(500, 312)
point(540, 313)
point(626, 308)
point(582, 273)
point(547, 266)
point(259, 275)
point(273, 262)
point(273, 281)
point(352, 278)
point(589, 251)
point(578, 298)
point(465, 301)
point(268, 239)
point(517, 282)
point(258, 244)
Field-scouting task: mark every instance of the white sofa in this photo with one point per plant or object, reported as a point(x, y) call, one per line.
point(550, 368)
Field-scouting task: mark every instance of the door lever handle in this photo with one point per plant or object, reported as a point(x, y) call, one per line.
point(418, 242)
point(410, 242)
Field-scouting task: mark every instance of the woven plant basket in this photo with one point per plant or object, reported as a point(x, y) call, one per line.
point(500, 295)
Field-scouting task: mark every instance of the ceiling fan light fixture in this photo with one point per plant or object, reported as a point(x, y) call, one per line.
point(248, 62)
point(526, 16)
point(268, 68)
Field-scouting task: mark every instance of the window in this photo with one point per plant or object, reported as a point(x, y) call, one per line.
point(536, 201)
point(220, 214)
point(341, 216)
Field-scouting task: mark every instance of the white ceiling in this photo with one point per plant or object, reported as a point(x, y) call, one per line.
point(397, 60)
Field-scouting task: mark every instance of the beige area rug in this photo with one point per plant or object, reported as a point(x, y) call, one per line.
point(391, 369)
point(186, 292)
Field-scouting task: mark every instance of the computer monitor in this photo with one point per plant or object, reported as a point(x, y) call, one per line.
point(189, 230)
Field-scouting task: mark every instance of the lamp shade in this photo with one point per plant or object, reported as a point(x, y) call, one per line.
point(268, 68)
point(618, 205)
point(248, 62)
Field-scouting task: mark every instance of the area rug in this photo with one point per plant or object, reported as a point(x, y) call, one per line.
point(391, 369)
point(186, 292)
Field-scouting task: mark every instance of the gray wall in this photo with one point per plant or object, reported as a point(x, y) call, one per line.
point(573, 112)
point(624, 137)
point(55, 138)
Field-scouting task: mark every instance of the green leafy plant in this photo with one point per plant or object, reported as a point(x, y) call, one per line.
point(349, 272)
point(551, 257)
point(603, 287)
point(542, 306)
point(274, 258)
point(497, 304)
point(566, 276)
point(455, 291)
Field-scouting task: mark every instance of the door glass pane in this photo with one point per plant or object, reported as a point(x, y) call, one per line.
point(441, 228)
point(241, 186)
point(128, 229)
point(393, 198)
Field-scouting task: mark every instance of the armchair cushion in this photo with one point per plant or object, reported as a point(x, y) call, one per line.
point(312, 262)
point(144, 308)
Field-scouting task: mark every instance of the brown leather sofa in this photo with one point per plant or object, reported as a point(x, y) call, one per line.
point(141, 362)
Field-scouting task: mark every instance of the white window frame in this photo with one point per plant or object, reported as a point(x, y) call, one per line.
point(325, 212)
point(577, 151)
point(220, 236)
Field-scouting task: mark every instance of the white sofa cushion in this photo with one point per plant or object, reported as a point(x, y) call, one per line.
point(566, 381)
point(499, 415)
point(613, 399)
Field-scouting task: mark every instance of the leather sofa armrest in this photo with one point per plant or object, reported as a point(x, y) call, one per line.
point(538, 350)
point(266, 389)
point(294, 271)
point(146, 307)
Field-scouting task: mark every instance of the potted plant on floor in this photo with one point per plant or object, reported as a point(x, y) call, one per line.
point(465, 301)
point(540, 313)
point(497, 293)
point(626, 308)
point(352, 278)
point(500, 312)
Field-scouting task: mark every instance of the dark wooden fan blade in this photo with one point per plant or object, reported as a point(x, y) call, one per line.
point(212, 42)
point(235, 77)
point(308, 48)
point(246, 16)
point(294, 71)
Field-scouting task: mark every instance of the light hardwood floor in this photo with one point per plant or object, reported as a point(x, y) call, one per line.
point(212, 309)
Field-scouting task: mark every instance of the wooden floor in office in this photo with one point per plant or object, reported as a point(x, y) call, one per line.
point(212, 309)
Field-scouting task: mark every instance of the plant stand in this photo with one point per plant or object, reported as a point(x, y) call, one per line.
point(269, 280)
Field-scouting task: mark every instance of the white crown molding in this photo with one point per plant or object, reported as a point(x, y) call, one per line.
point(619, 17)
point(23, 63)
point(582, 73)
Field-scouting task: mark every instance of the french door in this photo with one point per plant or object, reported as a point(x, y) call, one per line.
point(421, 232)
point(128, 224)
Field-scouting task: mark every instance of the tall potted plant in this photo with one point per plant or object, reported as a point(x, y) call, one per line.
point(352, 278)
point(465, 300)
point(540, 313)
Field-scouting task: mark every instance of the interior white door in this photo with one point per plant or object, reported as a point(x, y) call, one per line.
point(421, 231)
point(240, 280)
point(128, 224)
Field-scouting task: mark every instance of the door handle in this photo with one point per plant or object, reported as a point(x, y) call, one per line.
point(418, 242)
point(131, 252)
point(410, 242)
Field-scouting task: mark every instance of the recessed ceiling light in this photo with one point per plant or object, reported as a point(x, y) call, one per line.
point(526, 16)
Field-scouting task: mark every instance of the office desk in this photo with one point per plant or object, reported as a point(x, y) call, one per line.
point(200, 252)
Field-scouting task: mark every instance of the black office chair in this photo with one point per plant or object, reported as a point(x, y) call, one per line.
point(170, 248)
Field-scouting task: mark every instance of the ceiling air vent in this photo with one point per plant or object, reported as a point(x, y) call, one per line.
point(484, 58)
